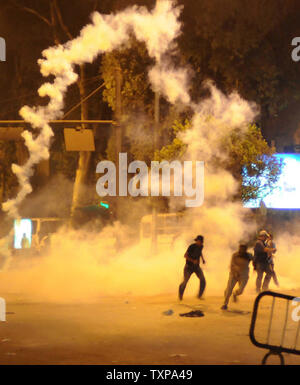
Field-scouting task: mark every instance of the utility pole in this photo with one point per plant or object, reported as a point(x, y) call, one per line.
point(155, 147)
point(118, 113)
point(118, 133)
point(84, 156)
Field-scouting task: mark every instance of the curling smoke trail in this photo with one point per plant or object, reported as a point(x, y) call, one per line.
point(157, 29)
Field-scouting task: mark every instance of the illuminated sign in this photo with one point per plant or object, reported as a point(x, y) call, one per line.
point(286, 192)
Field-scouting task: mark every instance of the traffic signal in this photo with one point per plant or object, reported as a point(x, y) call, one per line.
point(104, 204)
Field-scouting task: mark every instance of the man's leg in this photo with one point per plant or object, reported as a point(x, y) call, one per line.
point(187, 272)
point(275, 279)
point(268, 277)
point(274, 275)
point(200, 275)
point(260, 272)
point(243, 279)
point(230, 285)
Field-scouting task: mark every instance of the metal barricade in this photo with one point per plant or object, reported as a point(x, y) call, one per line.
point(282, 326)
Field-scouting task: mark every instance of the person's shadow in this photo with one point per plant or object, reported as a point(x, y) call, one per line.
point(233, 312)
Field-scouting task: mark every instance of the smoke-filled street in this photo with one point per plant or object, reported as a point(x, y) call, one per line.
point(130, 330)
point(149, 182)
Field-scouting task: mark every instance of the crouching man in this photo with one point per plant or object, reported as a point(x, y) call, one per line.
point(239, 273)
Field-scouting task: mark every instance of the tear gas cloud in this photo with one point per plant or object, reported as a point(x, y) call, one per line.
point(81, 265)
point(157, 29)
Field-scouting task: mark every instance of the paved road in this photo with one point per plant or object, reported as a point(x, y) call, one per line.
point(129, 330)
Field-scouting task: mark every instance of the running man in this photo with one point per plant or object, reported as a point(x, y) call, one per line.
point(192, 265)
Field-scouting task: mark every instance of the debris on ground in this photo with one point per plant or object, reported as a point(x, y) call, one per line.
point(168, 312)
point(193, 313)
point(174, 355)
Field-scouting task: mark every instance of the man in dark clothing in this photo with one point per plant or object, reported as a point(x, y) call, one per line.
point(192, 256)
point(261, 262)
point(239, 272)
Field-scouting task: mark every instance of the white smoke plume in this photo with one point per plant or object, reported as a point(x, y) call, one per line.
point(171, 82)
point(219, 219)
point(157, 29)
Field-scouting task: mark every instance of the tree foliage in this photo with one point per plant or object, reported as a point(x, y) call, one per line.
point(248, 158)
point(250, 155)
point(134, 63)
point(244, 46)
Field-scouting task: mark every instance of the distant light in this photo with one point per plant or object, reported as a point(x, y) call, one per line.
point(103, 204)
point(286, 192)
point(22, 231)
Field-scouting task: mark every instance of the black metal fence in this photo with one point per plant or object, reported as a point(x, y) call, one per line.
point(278, 328)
